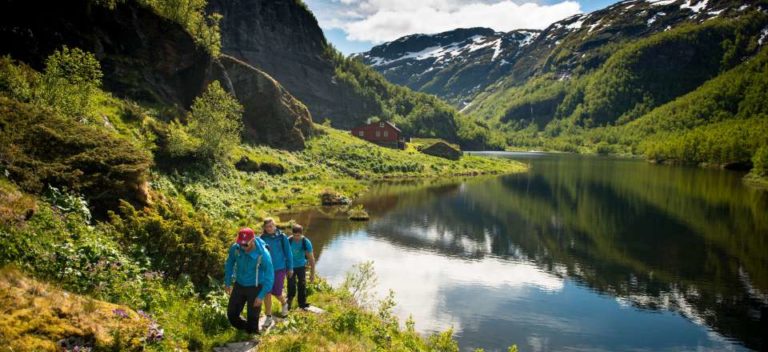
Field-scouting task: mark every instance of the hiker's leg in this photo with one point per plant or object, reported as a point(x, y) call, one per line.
point(237, 299)
point(277, 288)
point(301, 276)
point(292, 287)
point(252, 324)
point(268, 304)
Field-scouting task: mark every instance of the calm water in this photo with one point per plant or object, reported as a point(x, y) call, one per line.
point(581, 253)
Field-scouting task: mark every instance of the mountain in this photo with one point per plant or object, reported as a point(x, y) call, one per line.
point(283, 38)
point(460, 64)
point(453, 65)
point(580, 83)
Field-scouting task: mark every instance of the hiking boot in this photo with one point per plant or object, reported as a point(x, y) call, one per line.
point(284, 311)
point(267, 322)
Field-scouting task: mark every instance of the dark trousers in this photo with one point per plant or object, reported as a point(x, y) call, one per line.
point(300, 275)
point(240, 297)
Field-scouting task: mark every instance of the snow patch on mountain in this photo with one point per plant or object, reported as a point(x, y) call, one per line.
point(655, 17)
point(661, 2)
point(496, 49)
point(763, 36)
point(702, 4)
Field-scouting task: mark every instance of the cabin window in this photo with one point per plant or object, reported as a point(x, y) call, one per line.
point(378, 133)
point(386, 133)
point(361, 133)
point(381, 124)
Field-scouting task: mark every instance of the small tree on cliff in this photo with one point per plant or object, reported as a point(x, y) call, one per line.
point(70, 83)
point(216, 120)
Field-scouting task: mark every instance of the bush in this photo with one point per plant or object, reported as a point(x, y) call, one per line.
point(40, 148)
point(176, 243)
point(70, 83)
point(760, 161)
point(216, 120)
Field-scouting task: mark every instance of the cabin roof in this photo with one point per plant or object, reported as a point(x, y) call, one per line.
point(386, 122)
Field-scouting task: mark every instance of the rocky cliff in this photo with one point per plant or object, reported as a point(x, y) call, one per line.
point(148, 58)
point(282, 38)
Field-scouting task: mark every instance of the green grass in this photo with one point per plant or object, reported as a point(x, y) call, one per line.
point(164, 254)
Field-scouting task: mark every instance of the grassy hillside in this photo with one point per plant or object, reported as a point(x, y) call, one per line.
point(417, 114)
point(119, 203)
point(688, 95)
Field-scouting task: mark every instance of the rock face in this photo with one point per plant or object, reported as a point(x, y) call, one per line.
point(151, 59)
point(270, 114)
point(282, 38)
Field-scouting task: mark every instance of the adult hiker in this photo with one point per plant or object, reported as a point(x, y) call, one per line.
point(250, 262)
point(301, 249)
point(282, 261)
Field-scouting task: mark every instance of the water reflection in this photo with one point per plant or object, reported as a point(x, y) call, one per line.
point(579, 254)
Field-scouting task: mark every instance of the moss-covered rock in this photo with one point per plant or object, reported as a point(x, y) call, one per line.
point(40, 317)
point(443, 150)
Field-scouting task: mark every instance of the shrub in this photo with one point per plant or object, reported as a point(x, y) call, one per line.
point(175, 242)
point(216, 120)
point(70, 82)
point(40, 148)
point(760, 162)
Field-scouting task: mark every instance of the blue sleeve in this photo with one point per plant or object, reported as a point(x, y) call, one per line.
point(229, 265)
point(289, 254)
point(309, 245)
point(266, 273)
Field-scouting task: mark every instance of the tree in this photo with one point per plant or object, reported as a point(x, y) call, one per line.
point(70, 83)
point(216, 119)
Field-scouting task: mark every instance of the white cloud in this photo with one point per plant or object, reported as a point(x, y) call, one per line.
point(385, 20)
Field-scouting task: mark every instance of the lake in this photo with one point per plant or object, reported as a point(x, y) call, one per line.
point(582, 253)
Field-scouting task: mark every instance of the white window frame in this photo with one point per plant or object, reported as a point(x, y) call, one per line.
point(361, 133)
point(386, 133)
point(378, 134)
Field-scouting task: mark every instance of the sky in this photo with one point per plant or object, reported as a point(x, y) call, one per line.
point(355, 26)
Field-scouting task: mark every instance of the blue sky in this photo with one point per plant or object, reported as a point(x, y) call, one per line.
point(356, 25)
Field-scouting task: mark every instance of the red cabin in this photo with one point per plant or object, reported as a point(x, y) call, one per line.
point(383, 133)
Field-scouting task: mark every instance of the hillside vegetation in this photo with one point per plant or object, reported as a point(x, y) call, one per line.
point(126, 210)
point(701, 105)
point(417, 114)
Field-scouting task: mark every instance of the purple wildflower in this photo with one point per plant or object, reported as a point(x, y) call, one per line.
point(120, 313)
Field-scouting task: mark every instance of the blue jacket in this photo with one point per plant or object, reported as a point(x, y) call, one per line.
point(280, 249)
point(299, 250)
point(244, 266)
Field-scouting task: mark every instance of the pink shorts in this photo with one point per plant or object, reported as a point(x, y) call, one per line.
point(277, 288)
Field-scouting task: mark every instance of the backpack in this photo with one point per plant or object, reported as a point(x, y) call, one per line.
point(304, 245)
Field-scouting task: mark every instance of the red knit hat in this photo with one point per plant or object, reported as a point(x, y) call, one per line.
point(245, 235)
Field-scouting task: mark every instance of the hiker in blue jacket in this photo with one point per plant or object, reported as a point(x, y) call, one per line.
point(301, 247)
point(282, 260)
point(250, 262)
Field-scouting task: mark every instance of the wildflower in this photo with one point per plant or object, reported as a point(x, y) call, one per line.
point(120, 313)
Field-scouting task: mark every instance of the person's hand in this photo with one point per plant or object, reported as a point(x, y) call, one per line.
point(257, 302)
point(228, 290)
point(290, 273)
